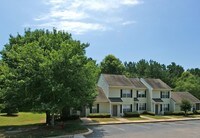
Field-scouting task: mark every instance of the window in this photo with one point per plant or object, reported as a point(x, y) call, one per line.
point(166, 107)
point(141, 94)
point(164, 94)
point(142, 106)
point(126, 108)
point(94, 109)
point(127, 94)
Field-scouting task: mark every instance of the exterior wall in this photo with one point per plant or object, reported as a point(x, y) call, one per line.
point(104, 107)
point(155, 94)
point(114, 92)
point(103, 84)
point(148, 94)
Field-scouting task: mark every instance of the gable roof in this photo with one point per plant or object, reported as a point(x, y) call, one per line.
point(101, 97)
point(117, 80)
point(157, 84)
point(179, 96)
point(137, 83)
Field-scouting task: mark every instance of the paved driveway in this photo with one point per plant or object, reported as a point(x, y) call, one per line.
point(181, 129)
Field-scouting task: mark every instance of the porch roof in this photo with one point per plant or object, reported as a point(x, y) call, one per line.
point(115, 100)
point(157, 100)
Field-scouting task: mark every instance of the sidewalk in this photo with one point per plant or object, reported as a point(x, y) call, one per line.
point(89, 122)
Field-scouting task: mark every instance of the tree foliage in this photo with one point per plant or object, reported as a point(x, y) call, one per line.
point(111, 65)
point(43, 70)
point(190, 83)
point(185, 106)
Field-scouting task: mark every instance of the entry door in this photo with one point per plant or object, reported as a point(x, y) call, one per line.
point(156, 109)
point(114, 110)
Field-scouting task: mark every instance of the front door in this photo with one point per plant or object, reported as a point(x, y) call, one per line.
point(156, 109)
point(114, 110)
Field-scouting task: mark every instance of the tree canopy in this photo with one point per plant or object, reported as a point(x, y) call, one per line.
point(44, 69)
point(111, 65)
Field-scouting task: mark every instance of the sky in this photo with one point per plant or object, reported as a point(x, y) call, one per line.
point(162, 30)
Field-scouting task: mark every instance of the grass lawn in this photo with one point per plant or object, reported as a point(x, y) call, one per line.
point(22, 118)
point(135, 118)
point(103, 119)
point(156, 117)
point(33, 125)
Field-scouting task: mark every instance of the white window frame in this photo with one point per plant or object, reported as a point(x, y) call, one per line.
point(164, 94)
point(126, 108)
point(165, 107)
point(141, 94)
point(94, 109)
point(126, 94)
point(142, 106)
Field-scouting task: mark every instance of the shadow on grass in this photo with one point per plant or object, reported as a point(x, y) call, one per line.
point(13, 115)
point(42, 130)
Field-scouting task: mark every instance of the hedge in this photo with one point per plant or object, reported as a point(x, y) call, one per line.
point(148, 113)
point(178, 113)
point(197, 112)
point(99, 115)
point(131, 114)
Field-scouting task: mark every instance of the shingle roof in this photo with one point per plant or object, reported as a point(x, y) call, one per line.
point(101, 97)
point(115, 99)
point(157, 84)
point(179, 96)
point(137, 83)
point(117, 80)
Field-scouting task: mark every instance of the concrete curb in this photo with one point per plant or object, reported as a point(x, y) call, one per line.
point(87, 133)
point(138, 122)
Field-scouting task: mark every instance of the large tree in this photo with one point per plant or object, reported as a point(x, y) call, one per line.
point(174, 72)
point(47, 71)
point(190, 83)
point(111, 65)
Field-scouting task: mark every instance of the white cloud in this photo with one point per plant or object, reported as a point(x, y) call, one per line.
point(128, 23)
point(81, 16)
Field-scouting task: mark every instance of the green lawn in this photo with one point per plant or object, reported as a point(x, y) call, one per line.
point(22, 118)
point(103, 119)
point(156, 117)
point(135, 118)
point(33, 125)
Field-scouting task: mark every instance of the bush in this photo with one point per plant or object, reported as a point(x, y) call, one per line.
point(197, 112)
point(178, 113)
point(131, 114)
point(99, 115)
point(148, 113)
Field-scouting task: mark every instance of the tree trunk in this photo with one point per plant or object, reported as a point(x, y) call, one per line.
point(65, 113)
point(52, 120)
point(48, 118)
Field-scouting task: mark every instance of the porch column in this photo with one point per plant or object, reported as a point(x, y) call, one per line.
point(110, 109)
point(122, 111)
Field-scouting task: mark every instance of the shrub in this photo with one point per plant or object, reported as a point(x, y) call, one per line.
point(148, 113)
point(197, 112)
point(178, 113)
point(131, 114)
point(99, 115)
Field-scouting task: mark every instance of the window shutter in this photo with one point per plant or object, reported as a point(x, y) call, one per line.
point(97, 108)
point(161, 94)
point(137, 107)
point(168, 94)
point(121, 93)
point(168, 107)
point(120, 108)
point(161, 107)
point(131, 107)
point(90, 109)
point(145, 106)
point(145, 93)
point(137, 93)
point(131, 93)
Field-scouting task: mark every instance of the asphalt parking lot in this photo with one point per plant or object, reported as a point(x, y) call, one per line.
point(180, 129)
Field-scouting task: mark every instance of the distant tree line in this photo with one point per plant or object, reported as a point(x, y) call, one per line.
point(174, 75)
